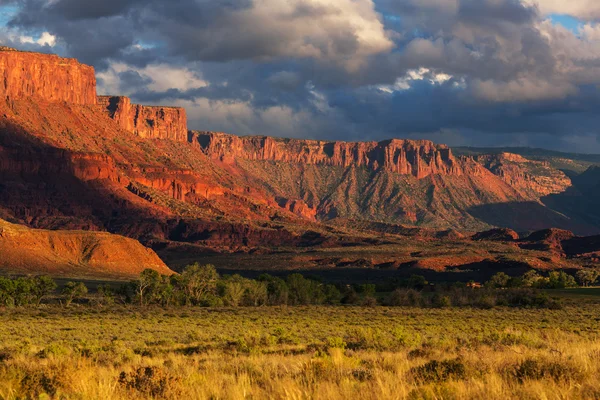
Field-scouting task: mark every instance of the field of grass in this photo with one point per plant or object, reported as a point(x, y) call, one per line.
point(318, 352)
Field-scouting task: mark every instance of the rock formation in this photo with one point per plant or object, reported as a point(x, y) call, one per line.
point(146, 121)
point(74, 253)
point(419, 158)
point(534, 178)
point(44, 77)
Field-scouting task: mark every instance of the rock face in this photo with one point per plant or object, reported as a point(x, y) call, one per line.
point(419, 158)
point(532, 178)
point(74, 253)
point(146, 121)
point(44, 77)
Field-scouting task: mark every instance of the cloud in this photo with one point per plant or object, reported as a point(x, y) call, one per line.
point(459, 71)
point(45, 39)
point(583, 9)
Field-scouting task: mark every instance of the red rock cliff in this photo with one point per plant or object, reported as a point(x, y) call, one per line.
point(536, 178)
point(419, 158)
point(147, 121)
point(45, 77)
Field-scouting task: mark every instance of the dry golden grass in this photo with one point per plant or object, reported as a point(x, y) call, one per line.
point(300, 353)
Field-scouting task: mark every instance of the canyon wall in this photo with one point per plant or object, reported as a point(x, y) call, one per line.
point(537, 178)
point(419, 158)
point(151, 122)
point(45, 77)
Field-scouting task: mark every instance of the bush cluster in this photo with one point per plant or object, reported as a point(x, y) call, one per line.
point(202, 285)
point(25, 291)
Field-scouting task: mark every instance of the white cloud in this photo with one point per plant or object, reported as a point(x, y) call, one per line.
point(583, 9)
point(343, 32)
point(162, 77)
point(45, 39)
point(420, 74)
point(525, 89)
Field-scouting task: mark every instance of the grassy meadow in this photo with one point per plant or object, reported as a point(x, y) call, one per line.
point(303, 352)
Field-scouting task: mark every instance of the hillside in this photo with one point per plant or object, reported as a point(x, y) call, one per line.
point(80, 254)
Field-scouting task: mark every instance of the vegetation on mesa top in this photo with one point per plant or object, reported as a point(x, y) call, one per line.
point(201, 285)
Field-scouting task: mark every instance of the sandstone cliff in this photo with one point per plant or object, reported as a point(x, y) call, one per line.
point(532, 178)
point(419, 158)
point(146, 121)
point(44, 77)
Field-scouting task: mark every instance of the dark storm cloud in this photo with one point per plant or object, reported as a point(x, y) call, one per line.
point(486, 70)
point(90, 9)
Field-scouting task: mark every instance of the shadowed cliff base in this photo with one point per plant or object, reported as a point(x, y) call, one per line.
point(530, 216)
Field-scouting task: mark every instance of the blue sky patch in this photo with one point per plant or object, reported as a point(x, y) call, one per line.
point(567, 21)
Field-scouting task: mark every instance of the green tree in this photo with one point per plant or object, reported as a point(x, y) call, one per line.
point(587, 277)
point(232, 290)
point(417, 282)
point(560, 280)
point(165, 292)
point(72, 291)
point(256, 293)
point(106, 293)
point(7, 292)
point(332, 294)
point(368, 289)
point(198, 281)
point(146, 286)
point(277, 289)
point(499, 280)
point(41, 287)
point(304, 291)
point(533, 279)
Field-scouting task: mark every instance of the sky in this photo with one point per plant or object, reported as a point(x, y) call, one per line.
point(459, 72)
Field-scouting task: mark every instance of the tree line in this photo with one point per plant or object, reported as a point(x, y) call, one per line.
point(201, 285)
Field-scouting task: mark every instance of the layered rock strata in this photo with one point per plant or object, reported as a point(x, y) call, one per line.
point(44, 77)
point(151, 122)
point(419, 158)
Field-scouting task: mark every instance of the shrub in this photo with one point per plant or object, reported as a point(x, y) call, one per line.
point(72, 291)
point(336, 343)
point(150, 381)
point(403, 297)
point(417, 282)
point(369, 301)
point(532, 369)
point(36, 384)
point(350, 297)
point(106, 293)
point(436, 371)
point(440, 301)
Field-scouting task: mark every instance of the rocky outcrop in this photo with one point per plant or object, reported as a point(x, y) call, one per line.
point(73, 253)
point(497, 235)
point(44, 77)
point(531, 178)
point(419, 158)
point(149, 122)
point(298, 207)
